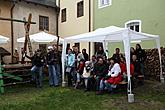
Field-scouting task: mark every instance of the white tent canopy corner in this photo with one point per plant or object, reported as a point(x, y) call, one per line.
point(3, 39)
point(41, 38)
point(113, 34)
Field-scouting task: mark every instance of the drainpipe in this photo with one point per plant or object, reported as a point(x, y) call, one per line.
point(12, 31)
point(89, 26)
point(57, 21)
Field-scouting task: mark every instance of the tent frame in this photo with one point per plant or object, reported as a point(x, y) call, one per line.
point(126, 39)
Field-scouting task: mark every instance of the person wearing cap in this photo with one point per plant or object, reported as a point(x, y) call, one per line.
point(53, 81)
point(16, 56)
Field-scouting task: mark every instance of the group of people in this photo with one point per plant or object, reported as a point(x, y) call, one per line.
point(101, 73)
point(52, 59)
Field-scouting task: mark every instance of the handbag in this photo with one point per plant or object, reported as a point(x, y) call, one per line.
point(68, 69)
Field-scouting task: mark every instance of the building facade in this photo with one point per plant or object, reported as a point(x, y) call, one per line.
point(139, 15)
point(43, 13)
point(76, 17)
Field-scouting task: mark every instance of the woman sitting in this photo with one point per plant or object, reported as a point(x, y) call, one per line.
point(114, 75)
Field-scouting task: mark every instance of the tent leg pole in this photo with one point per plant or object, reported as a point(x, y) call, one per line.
point(130, 98)
point(162, 80)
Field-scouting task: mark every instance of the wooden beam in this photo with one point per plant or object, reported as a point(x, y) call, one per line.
point(16, 20)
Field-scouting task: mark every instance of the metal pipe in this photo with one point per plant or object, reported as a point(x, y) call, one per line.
point(89, 26)
point(12, 30)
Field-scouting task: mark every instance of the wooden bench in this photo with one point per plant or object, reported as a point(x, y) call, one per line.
point(123, 83)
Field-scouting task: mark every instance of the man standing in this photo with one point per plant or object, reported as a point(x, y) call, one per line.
point(53, 81)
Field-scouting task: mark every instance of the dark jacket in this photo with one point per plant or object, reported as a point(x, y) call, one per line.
point(117, 57)
point(50, 58)
point(100, 69)
point(31, 58)
point(39, 61)
point(141, 55)
point(86, 57)
point(57, 57)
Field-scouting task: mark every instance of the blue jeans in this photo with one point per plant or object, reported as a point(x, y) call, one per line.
point(102, 85)
point(33, 69)
point(38, 75)
point(142, 68)
point(58, 72)
point(53, 79)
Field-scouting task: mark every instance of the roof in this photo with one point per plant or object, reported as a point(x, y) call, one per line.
point(110, 34)
point(4, 52)
point(49, 3)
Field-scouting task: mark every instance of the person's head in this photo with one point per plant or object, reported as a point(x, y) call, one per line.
point(50, 48)
point(93, 58)
point(83, 51)
point(81, 61)
point(117, 50)
point(100, 48)
point(113, 61)
point(38, 52)
point(132, 50)
point(122, 59)
point(60, 48)
point(134, 57)
point(69, 51)
point(76, 49)
point(100, 60)
point(54, 47)
point(138, 46)
point(16, 50)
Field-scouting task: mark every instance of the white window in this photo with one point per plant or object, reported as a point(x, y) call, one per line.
point(104, 3)
point(134, 25)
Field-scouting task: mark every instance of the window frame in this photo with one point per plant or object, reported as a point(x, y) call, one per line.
point(62, 19)
point(78, 9)
point(44, 27)
point(104, 5)
point(134, 21)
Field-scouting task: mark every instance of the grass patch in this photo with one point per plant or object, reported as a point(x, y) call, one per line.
point(27, 97)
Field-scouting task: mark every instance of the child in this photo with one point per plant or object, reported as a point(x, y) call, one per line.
point(87, 74)
point(79, 72)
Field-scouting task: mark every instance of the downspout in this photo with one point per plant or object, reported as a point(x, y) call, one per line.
point(57, 22)
point(12, 30)
point(89, 26)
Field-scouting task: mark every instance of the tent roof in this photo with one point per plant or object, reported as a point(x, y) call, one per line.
point(3, 39)
point(4, 52)
point(41, 38)
point(110, 34)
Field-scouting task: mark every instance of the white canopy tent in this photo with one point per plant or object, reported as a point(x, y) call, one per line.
point(113, 34)
point(3, 39)
point(41, 38)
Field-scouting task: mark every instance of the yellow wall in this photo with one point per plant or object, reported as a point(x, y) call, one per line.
point(5, 27)
point(74, 25)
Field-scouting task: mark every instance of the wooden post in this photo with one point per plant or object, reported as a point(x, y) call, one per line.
point(27, 38)
point(1, 79)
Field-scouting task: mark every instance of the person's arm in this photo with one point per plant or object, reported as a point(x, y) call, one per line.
point(28, 57)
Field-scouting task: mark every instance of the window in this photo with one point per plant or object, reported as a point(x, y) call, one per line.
point(80, 9)
point(104, 3)
point(43, 23)
point(134, 25)
point(63, 15)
